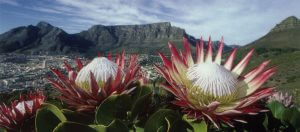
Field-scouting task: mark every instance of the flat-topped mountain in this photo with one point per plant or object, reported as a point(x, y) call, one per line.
point(133, 38)
point(45, 38)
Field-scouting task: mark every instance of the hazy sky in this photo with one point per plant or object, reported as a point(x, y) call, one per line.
point(239, 21)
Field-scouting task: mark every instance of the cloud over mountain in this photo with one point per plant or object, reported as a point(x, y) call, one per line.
point(239, 21)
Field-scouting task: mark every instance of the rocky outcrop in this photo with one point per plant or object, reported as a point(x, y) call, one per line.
point(284, 35)
point(291, 22)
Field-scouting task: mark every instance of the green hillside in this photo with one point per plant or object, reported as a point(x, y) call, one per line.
point(282, 46)
point(284, 35)
point(281, 39)
point(287, 61)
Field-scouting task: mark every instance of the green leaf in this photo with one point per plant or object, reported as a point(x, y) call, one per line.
point(99, 128)
point(114, 126)
point(73, 127)
point(181, 126)
point(292, 116)
point(114, 107)
point(161, 120)
point(58, 103)
point(117, 126)
point(48, 117)
point(141, 91)
point(289, 116)
point(200, 126)
point(266, 122)
point(140, 105)
point(78, 117)
point(277, 109)
point(137, 129)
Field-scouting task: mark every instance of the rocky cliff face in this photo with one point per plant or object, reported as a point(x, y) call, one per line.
point(132, 36)
point(291, 22)
point(146, 38)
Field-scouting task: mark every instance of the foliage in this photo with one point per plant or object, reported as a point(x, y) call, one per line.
point(288, 117)
point(147, 109)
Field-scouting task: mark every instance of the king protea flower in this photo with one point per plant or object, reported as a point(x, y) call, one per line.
point(12, 117)
point(86, 87)
point(207, 89)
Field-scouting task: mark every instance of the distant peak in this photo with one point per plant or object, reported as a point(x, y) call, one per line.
point(42, 24)
point(288, 23)
point(291, 18)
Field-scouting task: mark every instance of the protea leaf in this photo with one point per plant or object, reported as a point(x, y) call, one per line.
point(48, 117)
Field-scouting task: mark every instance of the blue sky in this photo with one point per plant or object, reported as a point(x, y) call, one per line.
point(239, 21)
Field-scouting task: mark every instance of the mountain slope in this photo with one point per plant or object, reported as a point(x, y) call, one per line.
point(40, 39)
point(282, 46)
point(283, 35)
point(146, 38)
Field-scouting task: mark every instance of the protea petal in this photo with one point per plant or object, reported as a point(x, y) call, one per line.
point(238, 69)
point(209, 51)
point(212, 91)
point(200, 51)
point(219, 54)
point(188, 55)
point(255, 71)
point(230, 59)
point(79, 64)
point(258, 81)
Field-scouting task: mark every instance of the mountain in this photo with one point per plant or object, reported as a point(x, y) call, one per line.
point(282, 46)
point(45, 38)
point(41, 38)
point(283, 35)
point(133, 38)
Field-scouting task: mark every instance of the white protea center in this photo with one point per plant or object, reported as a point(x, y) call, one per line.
point(101, 67)
point(212, 79)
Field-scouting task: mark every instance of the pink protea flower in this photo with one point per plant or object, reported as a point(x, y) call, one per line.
point(284, 98)
point(86, 87)
point(12, 117)
point(207, 89)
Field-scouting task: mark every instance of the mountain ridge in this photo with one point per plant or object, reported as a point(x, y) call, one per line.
point(144, 38)
point(283, 35)
point(291, 22)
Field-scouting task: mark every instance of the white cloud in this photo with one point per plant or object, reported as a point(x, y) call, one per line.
point(239, 21)
point(9, 2)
